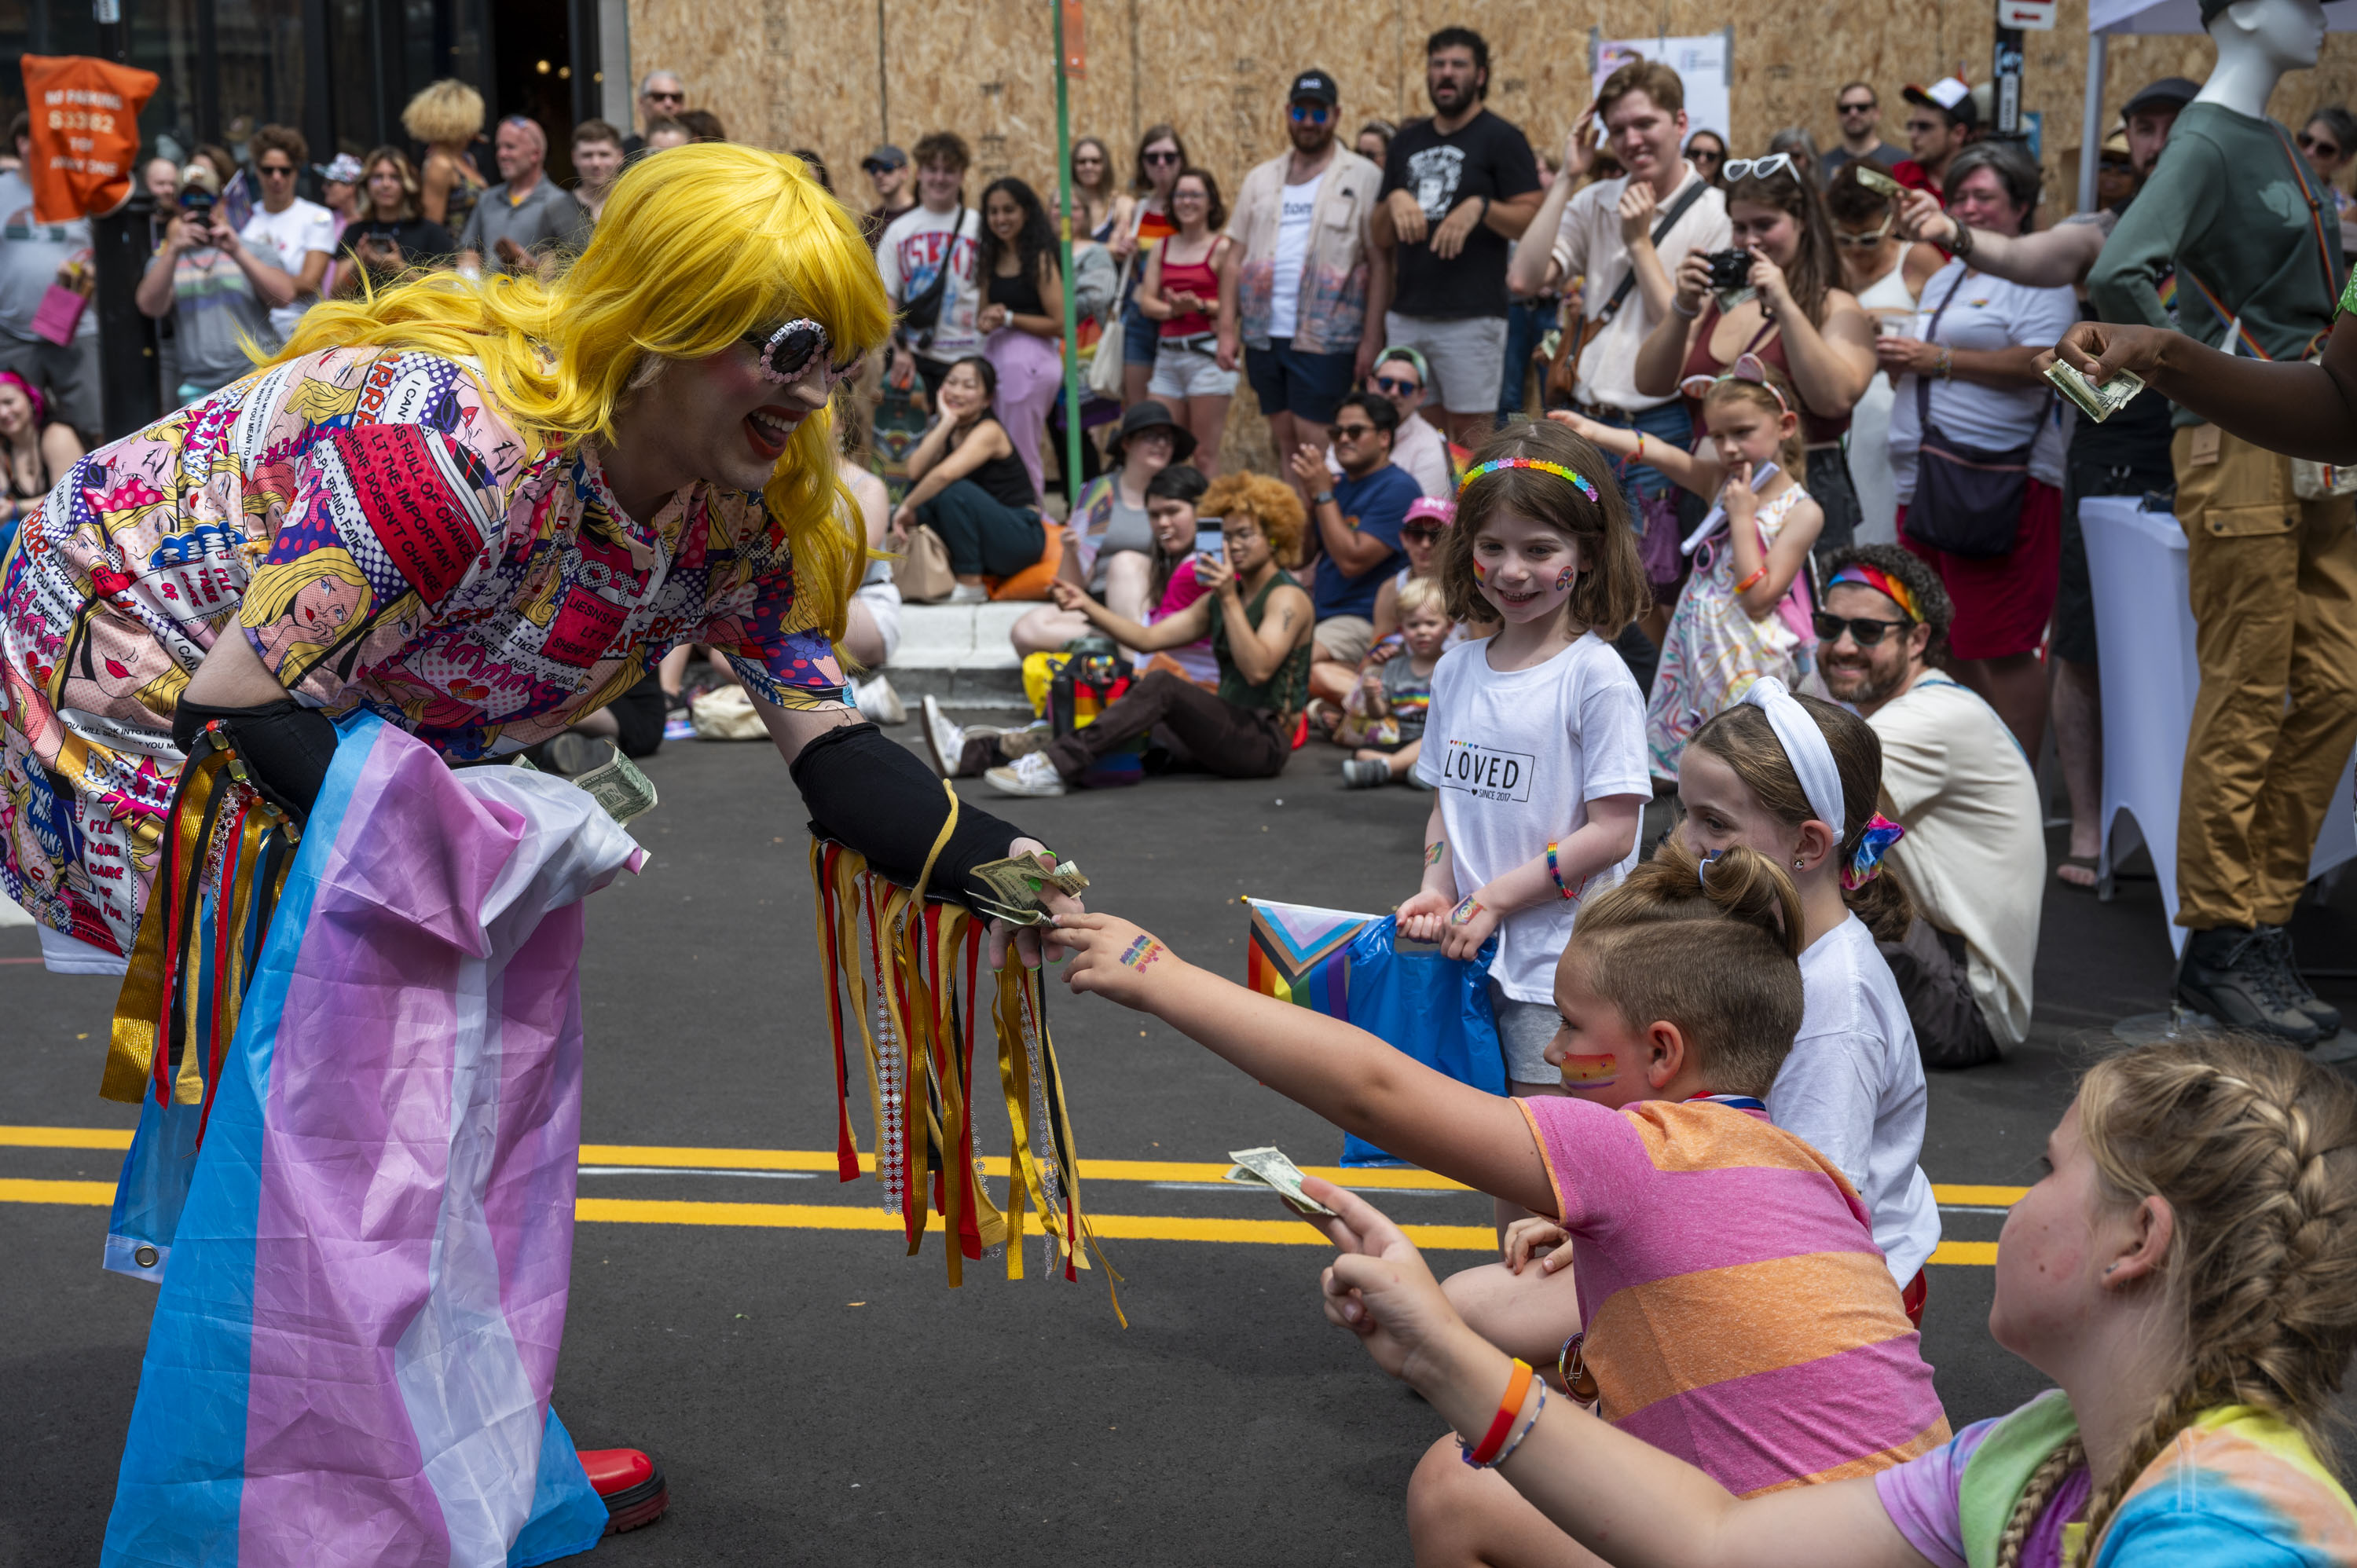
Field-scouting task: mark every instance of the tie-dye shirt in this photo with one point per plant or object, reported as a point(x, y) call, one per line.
point(2236, 1489)
point(387, 539)
point(1739, 1314)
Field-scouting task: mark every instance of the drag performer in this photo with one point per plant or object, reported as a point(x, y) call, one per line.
point(241, 650)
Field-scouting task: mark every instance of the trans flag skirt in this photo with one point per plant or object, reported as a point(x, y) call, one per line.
point(362, 1216)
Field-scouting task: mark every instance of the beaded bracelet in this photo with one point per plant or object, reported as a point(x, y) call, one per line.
point(1555, 872)
point(1486, 1452)
point(1508, 1452)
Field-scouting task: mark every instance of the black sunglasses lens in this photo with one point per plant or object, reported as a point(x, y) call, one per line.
point(1864, 633)
point(794, 353)
point(1424, 534)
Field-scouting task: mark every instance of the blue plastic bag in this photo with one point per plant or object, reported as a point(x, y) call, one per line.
point(1434, 1008)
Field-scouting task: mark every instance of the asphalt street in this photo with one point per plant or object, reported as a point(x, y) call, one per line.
point(814, 1394)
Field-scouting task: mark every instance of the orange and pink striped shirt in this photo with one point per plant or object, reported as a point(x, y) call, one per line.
point(1738, 1314)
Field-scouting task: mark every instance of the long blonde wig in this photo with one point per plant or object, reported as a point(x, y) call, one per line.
point(697, 247)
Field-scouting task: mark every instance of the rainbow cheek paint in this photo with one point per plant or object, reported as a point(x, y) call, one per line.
point(1590, 1072)
point(1563, 579)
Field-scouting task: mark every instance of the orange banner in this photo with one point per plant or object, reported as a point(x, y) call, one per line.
point(85, 117)
point(1076, 48)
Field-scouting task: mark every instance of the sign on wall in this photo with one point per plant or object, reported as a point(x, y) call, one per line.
point(85, 129)
point(1705, 64)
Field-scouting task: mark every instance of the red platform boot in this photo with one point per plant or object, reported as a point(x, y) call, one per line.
point(633, 1489)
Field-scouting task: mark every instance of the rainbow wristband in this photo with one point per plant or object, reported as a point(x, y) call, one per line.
point(1485, 1453)
point(1556, 873)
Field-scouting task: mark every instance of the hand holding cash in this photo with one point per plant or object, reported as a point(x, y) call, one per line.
point(2098, 401)
point(1017, 882)
point(1270, 1168)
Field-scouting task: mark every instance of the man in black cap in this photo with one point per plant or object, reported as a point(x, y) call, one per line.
point(1940, 119)
point(2126, 454)
point(2246, 227)
point(1309, 295)
point(886, 170)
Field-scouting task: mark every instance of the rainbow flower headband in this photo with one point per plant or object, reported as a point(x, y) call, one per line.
point(1495, 464)
point(1866, 575)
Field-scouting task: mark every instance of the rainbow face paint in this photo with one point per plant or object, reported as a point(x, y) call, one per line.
point(1564, 578)
point(1590, 1072)
point(1480, 573)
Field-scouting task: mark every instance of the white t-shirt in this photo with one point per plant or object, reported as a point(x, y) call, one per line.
point(912, 250)
point(1987, 314)
point(1516, 756)
point(1293, 207)
point(1853, 1088)
point(286, 239)
point(1975, 853)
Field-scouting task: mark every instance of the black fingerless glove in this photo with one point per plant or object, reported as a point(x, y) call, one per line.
point(284, 747)
point(873, 795)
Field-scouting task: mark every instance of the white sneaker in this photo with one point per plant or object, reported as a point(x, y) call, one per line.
point(946, 740)
point(968, 594)
point(1031, 774)
point(875, 698)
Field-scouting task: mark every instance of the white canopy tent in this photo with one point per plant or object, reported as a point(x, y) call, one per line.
point(2105, 18)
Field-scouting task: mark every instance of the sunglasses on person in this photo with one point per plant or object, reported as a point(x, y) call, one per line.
point(1422, 533)
point(274, 171)
point(1349, 431)
point(1865, 108)
point(787, 353)
point(1162, 158)
point(1768, 168)
point(1312, 113)
point(1863, 630)
point(1713, 155)
point(667, 97)
point(2318, 145)
point(1869, 240)
point(1396, 387)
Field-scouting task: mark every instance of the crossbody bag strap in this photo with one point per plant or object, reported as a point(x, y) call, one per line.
point(2233, 320)
point(1678, 209)
point(1931, 334)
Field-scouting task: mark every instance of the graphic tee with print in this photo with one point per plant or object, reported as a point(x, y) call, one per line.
point(1517, 756)
point(1485, 157)
point(1295, 203)
point(913, 249)
point(286, 239)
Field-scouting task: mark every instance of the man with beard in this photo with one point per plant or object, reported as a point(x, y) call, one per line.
point(1456, 188)
point(1954, 778)
point(1306, 306)
point(2126, 454)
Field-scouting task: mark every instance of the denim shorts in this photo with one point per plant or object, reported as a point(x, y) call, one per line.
point(1185, 368)
point(1307, 386)
point(1140, 335)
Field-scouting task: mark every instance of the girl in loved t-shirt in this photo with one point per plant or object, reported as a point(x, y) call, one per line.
point(1739, 1315)
point(1534, 743)
point(2185, 1271)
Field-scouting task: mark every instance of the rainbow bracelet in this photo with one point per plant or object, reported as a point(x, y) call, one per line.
point(1555, 872)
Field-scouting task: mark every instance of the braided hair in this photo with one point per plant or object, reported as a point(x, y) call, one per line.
point(2254, 1150)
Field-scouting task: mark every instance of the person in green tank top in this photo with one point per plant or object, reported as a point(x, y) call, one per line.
point(1260, 623)
point(2185, 1271)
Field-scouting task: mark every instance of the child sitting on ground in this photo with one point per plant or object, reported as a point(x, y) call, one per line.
point(2185, 1271)
point(1384, 715)
point(1745, 611)
point(1795, 779)
point(1536, 735)
point(1740, 1317)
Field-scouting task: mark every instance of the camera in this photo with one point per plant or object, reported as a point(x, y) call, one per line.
point(1729, 269)
point(196, 204)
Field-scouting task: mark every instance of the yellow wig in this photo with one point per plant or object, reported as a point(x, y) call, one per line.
point(695, 248)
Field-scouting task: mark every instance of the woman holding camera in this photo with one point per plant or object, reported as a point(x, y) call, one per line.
point(391, 235)
point(1776, 295)
point(221, 289)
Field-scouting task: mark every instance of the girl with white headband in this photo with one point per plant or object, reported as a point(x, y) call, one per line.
point(1796, 780)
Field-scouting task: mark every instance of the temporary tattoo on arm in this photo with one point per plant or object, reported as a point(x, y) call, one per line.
point(1434, 851)
point(1465, 911)
point(1142, 952)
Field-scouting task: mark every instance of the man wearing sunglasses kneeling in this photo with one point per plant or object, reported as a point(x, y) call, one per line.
point(1974, 855)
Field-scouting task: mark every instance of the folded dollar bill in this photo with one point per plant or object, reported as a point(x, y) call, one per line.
point(1018, 882)
point(1270, 1168)
point(1875, 179)
point(618, 786)
point(2098, 403)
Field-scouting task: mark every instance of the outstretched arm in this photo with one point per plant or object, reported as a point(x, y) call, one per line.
point(1344, 1074)
point(1613, 1493)
point(2308, 410)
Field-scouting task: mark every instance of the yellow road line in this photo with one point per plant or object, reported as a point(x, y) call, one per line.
point(852, 1217)
point(824, 1160)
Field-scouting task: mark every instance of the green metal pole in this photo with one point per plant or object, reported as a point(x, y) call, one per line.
point(1064, 233)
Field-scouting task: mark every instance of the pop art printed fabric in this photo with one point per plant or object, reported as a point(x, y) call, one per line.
point(387, 541)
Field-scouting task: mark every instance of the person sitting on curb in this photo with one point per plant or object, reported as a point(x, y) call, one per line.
point(1358, 518)
point(1259, 622)
point(1109, 543)
point(1975, 852)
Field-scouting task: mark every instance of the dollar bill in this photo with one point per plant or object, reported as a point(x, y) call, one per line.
point(1875, 179)
point(619, 786)
point(1270, 1168)
point(2098, 403)
point(992, 909)
point(1018, 882)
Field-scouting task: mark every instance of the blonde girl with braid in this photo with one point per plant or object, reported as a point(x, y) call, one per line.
point(2185, 1271)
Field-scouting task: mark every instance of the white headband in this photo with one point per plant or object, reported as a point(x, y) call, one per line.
point(1804, 748)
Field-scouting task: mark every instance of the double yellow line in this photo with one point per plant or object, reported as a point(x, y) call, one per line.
point(856, 1217)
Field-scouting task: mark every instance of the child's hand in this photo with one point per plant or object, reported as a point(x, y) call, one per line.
point(1466, 926)
point(1525, 1236)
point(1115, 959)
point(1579, 424)
point(1741, 501)
point(1379, 1288)
point(1422, 917)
